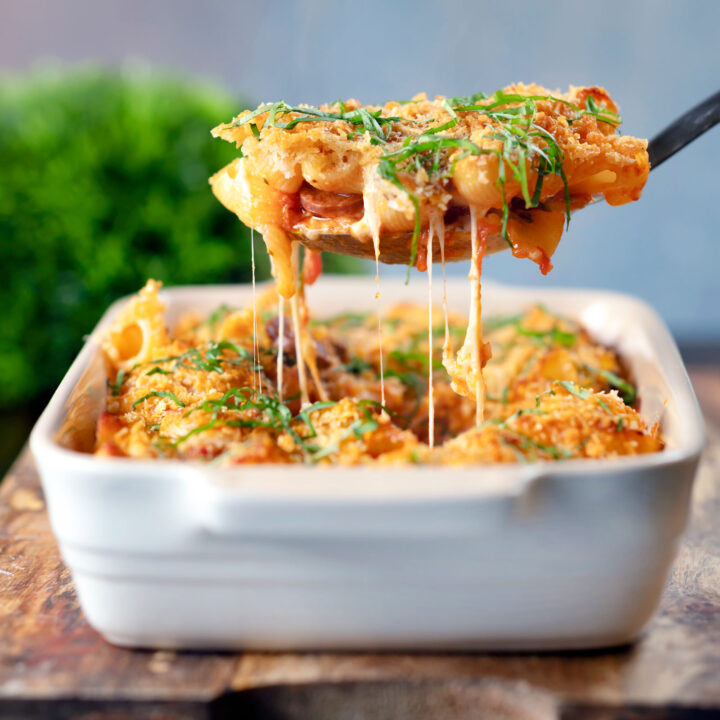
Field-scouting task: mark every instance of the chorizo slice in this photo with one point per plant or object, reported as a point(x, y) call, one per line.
point(329, 204)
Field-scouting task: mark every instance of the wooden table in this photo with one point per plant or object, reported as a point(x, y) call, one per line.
point(53, 665)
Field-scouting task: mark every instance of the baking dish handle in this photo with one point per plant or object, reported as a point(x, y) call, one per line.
point(232, 509)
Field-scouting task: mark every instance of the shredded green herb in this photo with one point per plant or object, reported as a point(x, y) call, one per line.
point(212, 360)
point(528, 443)
point(158, 371)
point(628, 393)
point(355, 365)
point(573, 389)
point(372, 122)
point(261, 411)
point(554, 336)
point(119, 380)
point(275, 415)
point(217, 316)
point(584, 394)
point(344, 320)
point(414, 360)
point(519, 455)
point(167, 394)
point(359, 427)
point(500, 321)
point(414, 382)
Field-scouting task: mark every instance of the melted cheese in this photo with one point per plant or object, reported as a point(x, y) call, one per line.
point(431, 398)
point(256, 345)
point(297, 332)
point(465, 369)
point(280, 346)
point(280, 250)
point(304, 346)
point(439, 228)
point(371, 220)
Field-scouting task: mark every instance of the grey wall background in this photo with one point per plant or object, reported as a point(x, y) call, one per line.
point(656, 57)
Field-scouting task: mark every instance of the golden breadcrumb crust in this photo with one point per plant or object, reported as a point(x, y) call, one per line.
point(202, 393)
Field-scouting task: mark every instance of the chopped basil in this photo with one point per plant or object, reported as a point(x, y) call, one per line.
point(628, 393)
point(167, 394)
point(119, 380)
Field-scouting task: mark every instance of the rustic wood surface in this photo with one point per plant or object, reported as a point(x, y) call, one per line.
point(53, 665)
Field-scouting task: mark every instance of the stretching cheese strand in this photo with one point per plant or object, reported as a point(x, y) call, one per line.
point(294, 310)
point(431, 399)
point(280, 345)
point(256, 343)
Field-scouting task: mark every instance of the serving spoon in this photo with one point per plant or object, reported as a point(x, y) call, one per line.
point(395, 247)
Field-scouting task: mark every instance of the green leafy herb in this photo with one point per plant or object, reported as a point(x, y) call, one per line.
point(359, 427)
point(304, 415)
point(628, 393)
point(500, 321)
point(455, 331)
point(525, 442)
point(572, 388)
point(217, 316)
point(195, 431)
point(414, 360)
point(537, 410)
point(158, 370)
point(414, 382)
point(167, 394)
point(211, 362)
point(603, 405)
point(519, 455)
point(119, 380)
point(554, 336)
point(371, 121)
point(261, 411)
point(355, 365)
point(344, 320)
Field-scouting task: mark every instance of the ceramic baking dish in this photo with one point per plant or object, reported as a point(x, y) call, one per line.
point(542, 556)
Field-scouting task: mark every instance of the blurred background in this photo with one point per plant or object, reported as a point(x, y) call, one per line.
point(105, 111)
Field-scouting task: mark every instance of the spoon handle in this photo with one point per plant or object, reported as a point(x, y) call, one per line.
point(684, 130)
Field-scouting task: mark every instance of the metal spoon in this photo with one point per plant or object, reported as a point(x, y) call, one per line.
point(395, 248)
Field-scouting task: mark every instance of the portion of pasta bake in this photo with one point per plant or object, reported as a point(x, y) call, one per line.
point(208, 390)
point(362, 180)
point(426, 181)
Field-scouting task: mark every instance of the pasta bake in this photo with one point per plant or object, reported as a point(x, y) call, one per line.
point(426, 181)
point(208, 390)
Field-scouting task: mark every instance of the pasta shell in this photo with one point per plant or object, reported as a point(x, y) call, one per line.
point(138, 331)
point(278, 169)
point(334, 171)
point(247, 195)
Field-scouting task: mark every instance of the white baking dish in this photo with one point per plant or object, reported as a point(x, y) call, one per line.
point(550, 555)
